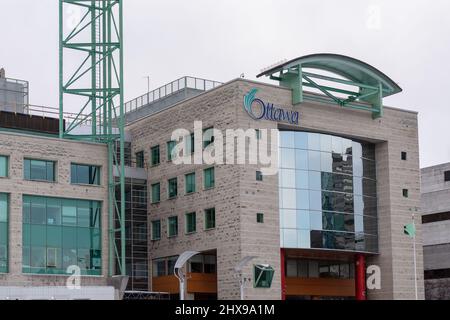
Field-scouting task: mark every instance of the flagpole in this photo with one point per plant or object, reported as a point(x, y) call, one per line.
point(415, 260)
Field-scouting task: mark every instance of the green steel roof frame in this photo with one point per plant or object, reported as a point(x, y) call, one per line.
point(373, 85)
point(102, 23)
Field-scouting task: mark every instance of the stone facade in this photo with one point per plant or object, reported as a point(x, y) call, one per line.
point(19, 146)
point(436, 234)
point(238, 197)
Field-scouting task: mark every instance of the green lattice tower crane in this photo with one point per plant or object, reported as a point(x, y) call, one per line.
point(91, 86)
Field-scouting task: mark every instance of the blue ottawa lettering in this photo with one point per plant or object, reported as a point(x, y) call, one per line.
point(267, 110)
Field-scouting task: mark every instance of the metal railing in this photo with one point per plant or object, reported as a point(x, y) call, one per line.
point(169, 89)
point(40, 111)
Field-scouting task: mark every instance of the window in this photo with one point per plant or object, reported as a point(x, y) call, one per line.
point(173, 188)
point(170, 150)
point(85, 174)
point(405, 193)
point(155, 156)
point(259, 176)
point(156, 230)
point(140, 159)
point(209, 178)
point(258, 134)
point(447, 176)
point(404, 156)
point(58, 233)
point(39, 170)
point(208, 137)
point(191, 222)
point(3, 233)
point(156, 193)
point(4, 166)
point(190, 144)
point(210, 218)
point(164, 266)
point(260, 217)
point(190, 183)
point(172, 227)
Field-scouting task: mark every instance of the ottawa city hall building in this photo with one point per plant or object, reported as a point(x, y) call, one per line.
point(299, 189)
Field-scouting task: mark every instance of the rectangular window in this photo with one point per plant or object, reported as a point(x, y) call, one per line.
point(39, 170)
point(190, 144)
point(259, 176)
point(190, 183)
point(58, 233)
point(447, 176)
point(4, 232)
point(209, 176)
point(208, 137)
point(191, 222)
point(155, 156)
point(170, 150)
point(85, 174)
point(140, 159)
point(156, 193)
point(172, 227)
point(210, 219)
point(156, 230)
point(258, 134)
point(404, 156)
point(4, 165)
point(173, 188)
point(260, 217)
point(405, 193)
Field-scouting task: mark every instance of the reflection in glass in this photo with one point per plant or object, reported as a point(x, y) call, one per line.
point(327, 193)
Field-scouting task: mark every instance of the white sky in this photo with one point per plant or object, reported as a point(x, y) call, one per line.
point(409, 40)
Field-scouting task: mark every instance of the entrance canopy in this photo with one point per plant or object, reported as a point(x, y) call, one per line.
point(371, 85)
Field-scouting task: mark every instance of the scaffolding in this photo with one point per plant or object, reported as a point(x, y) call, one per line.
point(91, 82)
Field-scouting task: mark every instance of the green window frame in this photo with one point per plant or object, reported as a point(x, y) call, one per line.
point(209, 178)
point(39, 170)
point(172, 188)
point(260, 217)
point(170, 149)
point(258, 134)
point(140, 159)
point(156, 193)
point(208, 137)
point(210, 219)
point(191, 222)
point(58, 233)
point(190, 143)
point(190, 183)
point(259, 176)
point(156, 230)
point(172, 226)
point(4, 233)
point(155, 156)
point(84, 174)
point(4, 166)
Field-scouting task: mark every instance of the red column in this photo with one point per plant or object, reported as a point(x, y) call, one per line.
point(283, 274)
point(360, 277)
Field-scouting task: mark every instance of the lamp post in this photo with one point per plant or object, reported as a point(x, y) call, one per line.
point(238, 273)
point(178, 270)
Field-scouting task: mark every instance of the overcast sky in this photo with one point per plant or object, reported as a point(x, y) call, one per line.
point(409, 40)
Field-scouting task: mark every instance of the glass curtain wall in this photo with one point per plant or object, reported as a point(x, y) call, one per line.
point(59, 233)
point(327, 188)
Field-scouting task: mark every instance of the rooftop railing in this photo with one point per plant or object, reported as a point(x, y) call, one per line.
point(169, 89)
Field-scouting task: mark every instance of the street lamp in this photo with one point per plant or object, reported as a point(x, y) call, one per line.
point(238, 273)
point(178, 270)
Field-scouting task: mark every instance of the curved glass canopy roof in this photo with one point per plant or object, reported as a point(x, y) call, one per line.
point(372, 84)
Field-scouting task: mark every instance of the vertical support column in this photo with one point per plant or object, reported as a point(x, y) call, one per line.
point(283, 273)
point(61, 71)
point(360, 277)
